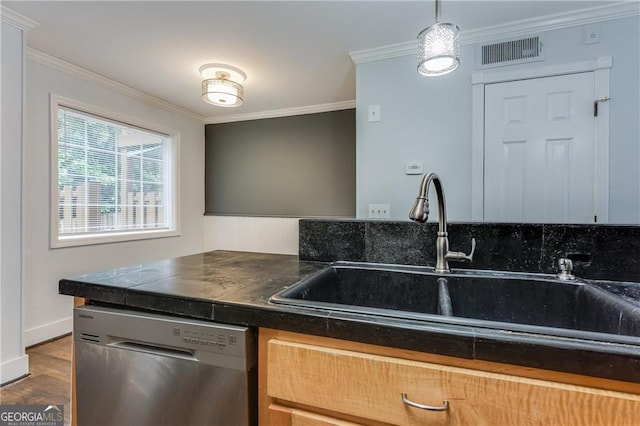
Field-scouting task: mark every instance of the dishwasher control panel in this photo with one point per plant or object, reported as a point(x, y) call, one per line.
point(200, 338)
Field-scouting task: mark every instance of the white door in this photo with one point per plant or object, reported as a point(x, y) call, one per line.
point(540, 150)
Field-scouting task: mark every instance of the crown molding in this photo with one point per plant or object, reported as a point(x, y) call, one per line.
point(285, 112)
point(17, 20)
point(511, 29)
point(384, 52)
point(76, 71)
point(553, 22)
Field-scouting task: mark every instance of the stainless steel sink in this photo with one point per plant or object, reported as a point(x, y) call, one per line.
point(512, 301)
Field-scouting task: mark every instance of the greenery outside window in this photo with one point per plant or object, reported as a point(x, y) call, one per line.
point(113, 180)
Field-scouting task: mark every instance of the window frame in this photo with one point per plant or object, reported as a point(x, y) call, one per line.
point(172, 191)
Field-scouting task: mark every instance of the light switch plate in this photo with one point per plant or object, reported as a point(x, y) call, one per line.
point(374, 113)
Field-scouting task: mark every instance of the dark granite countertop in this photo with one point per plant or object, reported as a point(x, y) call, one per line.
point(234, 287)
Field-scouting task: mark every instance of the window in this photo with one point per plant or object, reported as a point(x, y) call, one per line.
point(113, 180)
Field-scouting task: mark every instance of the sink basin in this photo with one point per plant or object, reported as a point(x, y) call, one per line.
point(513, 301)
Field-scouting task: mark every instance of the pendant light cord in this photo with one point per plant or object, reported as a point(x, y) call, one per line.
point(437, 11)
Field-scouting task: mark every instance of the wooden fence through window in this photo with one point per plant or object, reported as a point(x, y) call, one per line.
point(81, 210)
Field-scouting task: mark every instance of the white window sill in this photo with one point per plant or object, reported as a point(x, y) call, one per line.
point(112, 237)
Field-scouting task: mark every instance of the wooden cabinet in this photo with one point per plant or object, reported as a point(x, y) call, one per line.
point(307, 380)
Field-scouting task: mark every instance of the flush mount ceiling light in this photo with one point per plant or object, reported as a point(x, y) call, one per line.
point(438, 47)
point(222, 85)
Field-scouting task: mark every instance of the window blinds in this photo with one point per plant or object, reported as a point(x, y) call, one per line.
point(112, 177)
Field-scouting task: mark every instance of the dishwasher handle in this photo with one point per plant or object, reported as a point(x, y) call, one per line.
point(154, 349)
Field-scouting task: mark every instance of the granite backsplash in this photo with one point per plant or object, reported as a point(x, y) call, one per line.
point(602, 252)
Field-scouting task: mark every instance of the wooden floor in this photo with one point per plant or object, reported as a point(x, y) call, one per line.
point(50, 378)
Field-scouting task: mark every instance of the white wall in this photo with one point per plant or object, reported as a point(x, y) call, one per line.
point(429, 120)
point(13, 361)
point(48, 314)
point(254, 234)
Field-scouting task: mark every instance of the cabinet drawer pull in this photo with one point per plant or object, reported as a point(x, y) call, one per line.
point(443, 407)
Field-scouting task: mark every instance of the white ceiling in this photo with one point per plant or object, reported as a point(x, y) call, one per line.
point(295, 54)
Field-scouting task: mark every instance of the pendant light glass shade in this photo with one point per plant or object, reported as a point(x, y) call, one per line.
point(438, 49)
point(222, 92)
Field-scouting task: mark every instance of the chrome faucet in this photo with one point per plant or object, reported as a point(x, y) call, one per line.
point(420, 213)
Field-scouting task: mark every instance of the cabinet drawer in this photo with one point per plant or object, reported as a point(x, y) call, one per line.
point(297, 417)
point(371, 387)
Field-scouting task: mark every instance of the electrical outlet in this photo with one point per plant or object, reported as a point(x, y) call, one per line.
point(379, 211)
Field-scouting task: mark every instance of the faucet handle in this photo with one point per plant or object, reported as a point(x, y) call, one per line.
point(460, 256)
point(566, 269)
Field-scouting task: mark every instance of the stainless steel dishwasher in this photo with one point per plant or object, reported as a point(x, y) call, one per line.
point(136, 368)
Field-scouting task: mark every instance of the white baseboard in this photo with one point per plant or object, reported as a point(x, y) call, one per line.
point(14, 369)
point(48, 331)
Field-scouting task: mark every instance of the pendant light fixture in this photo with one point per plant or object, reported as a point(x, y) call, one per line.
point(222, 85)
point(438, 47)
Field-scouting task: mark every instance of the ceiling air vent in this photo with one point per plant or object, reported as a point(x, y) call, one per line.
point(510, 52)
